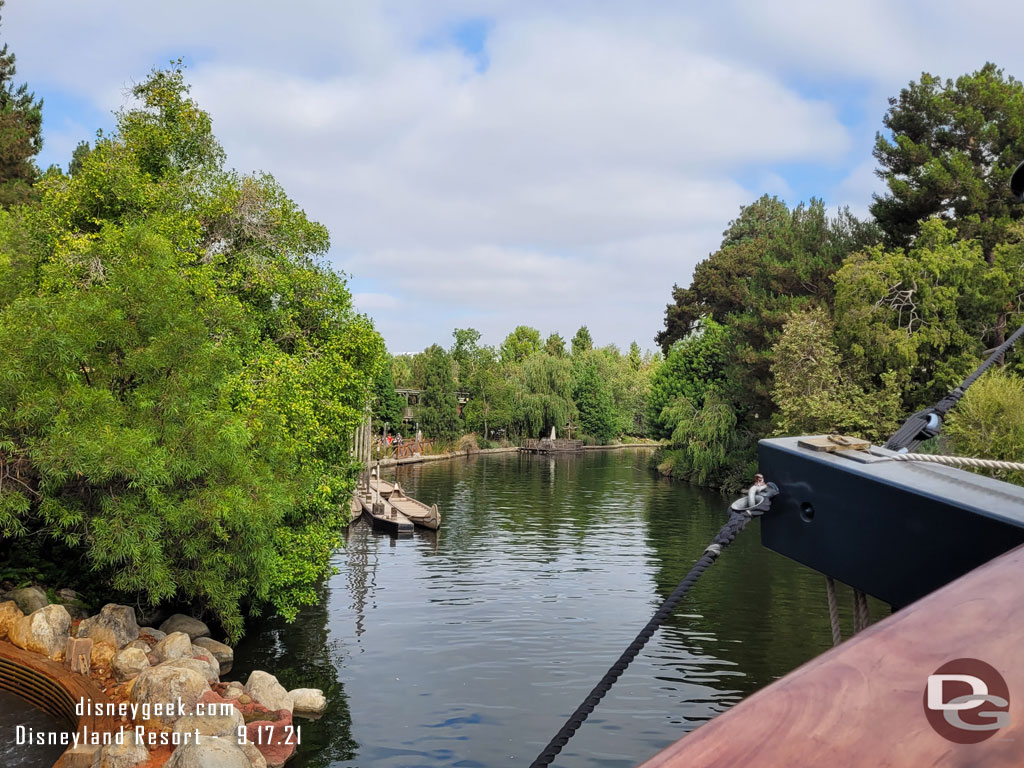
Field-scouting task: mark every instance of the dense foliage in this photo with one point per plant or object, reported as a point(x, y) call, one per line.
point(182, 375)
point(801, 323)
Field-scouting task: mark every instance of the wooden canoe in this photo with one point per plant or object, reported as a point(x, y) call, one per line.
point(355, 510)
point(417, 511)
point(383, 487)
point(384, 516)
point(862, 703)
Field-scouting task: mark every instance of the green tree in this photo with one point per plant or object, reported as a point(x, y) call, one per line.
point(440, 415)
point(387, 405)
point(814, 392)
point(594, 403)
point(182, 406)
point(519, 345)
point(555, 345)
point(465, 352)
point(542, 389)
point(989, 422)
point(21, 133)
point(582, 341)
point(951, 150)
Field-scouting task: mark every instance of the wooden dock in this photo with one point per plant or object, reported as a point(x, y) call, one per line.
point(547, 445)
point(383, 516)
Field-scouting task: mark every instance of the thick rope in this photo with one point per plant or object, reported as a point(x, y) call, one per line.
point(959, 461)
point(740, 514)
point(861, 618)
point(833, 610)
point(927, 423)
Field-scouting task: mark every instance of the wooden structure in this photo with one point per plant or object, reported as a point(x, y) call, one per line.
point(49, 686)
point(548, 445)
point(383, 516)
point(862, 703)
point(410, 448)
point(420, 514)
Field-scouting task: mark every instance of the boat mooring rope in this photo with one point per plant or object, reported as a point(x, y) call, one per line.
point(753, 504)
point(959, 461)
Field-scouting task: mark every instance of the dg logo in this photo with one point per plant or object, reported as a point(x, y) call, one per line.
point(967, 701)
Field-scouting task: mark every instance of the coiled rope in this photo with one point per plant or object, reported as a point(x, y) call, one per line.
point(755, 503)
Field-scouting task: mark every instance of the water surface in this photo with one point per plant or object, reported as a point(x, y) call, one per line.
point(15, 711)
point(468, 648)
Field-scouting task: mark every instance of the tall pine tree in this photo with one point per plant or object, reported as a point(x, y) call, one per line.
point(21, 133)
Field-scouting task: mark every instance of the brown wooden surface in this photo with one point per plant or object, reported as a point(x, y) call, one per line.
point(861, 704)
point(75, 685)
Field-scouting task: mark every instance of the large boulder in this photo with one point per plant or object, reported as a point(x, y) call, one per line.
point(208, 752)
point(264, 688)
point(128, 663)
point(164, 685)
point(9, 614)
point(274, 737)
point(219, 718)
point(256, 758)
point(179, 622)
point(131, 752)
point(222, 653)
point(156, 634)
point(206, 668)
point(175, 646)
point(45, 631)
point(29, 599)
point(309, 702)
point(115, 624)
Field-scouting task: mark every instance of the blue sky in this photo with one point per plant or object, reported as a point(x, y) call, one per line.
point(489, 164)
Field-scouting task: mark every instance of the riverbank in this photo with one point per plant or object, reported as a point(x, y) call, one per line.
point(506, 449)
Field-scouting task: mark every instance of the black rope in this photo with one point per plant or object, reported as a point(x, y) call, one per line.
point(740, 514)
point(927, 423)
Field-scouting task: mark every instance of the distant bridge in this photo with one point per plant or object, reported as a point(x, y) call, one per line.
point(412, 400)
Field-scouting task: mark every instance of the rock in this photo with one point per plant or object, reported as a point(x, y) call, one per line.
point(234, 691)
point(141, 644)
point(308, 701)
point(164, 685)
point(179, 622)
point(128, 663)
point(208, 752)
point(264, 687)
point(103, 657)
point(204, 656)
point(77, 611)
point(45, 631)
point(156, 634)
point(208, 669)
point(213, 722)
point(256, 758)
point(149, 615)
point(115, 624)
point(29, 599)
point(222, 653)
point(130, 753)
point(68, 595)
point(245, 698)
point(175, 646)
point(9, 614)
point(274, 738)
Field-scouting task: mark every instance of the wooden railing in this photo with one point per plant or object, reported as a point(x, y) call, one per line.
point(409, 449)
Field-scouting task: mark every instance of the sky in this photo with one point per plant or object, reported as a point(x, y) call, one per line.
point(489, 164)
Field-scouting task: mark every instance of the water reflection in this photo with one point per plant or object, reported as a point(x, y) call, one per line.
point(469, 647)
point(15, 711)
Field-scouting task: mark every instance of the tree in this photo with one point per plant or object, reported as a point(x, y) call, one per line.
point(814, 392)
point(555, 345)
point(440, 415)
point(989, 422)
point(21, 134)
point(78, 156)
point(464, 353)
point(635, 358)
point(387, 405)
point(594, 403)
point(542, 389)
point(188, 375)
point(582, 341)
point(520, 344)
point(952, 149)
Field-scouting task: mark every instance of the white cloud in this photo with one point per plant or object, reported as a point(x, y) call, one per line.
point(591, 164)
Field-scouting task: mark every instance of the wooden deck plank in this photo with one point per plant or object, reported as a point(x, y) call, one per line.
point(862, 704)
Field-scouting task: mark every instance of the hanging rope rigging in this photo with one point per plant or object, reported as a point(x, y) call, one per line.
point(756, 502)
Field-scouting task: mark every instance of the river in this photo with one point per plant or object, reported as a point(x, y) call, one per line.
point(468, 648)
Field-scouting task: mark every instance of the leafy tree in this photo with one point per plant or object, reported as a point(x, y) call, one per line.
point(78, 158)
point(490, 397)
point(989, 422)
point(21, 134)
point(704, 438)
point(465, 352)
point(182, 406)
point(815, 394)
point(693, 367)
point(635, 358)
point(594, 403)
point(387, 405)
point(555, 345)
point(952, 149)
point(519, 345)
point(542, 389)
point(582, 341)
point(440, 415)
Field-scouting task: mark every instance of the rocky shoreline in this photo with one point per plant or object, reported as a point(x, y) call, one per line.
point(177, 711)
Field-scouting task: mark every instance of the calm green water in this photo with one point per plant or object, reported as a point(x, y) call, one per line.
point(468, 648)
